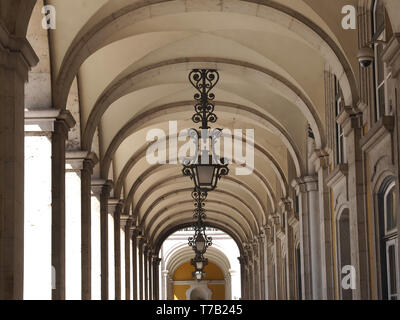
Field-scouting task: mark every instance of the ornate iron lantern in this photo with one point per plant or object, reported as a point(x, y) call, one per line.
point(199, 262)
point(205, 168)
point(200, 241)
point(198, 275)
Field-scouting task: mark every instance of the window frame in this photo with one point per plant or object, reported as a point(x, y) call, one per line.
point(339, 133)
point(386, 238)
point(379, 36)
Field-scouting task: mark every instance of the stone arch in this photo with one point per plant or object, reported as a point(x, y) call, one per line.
point(140, 121)
point(16, 15)
point(81, 48)
point(122, 86)
point(170, 229)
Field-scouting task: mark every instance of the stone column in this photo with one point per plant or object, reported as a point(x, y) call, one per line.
point(275, 220)
point(292, 225)
point(305, 238)
point(256, 271)
point(39, 127)
point(311, 184)
point(242, 262)
point(104, 197)
point(136, 240)
point(79, 168)
point(126, 223)
point(250, 273)
point(170, 288)
point(86, 224)
point(141, 243)
point(16, 59)
point(269, 258)
point(261, 254)
point(327, 272)
point(115, 206)
point(97, 187)
point(150, 274)
point(156, 277)
point(228, 286)
point(146, 271)
point(164, 295)
point(249, 281)
point(64, 122)
point(286, 206)
point(352, 128)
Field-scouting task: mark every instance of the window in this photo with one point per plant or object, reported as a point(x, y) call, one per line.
point(340, 146)
point(388, 241)
point(381, 73)
point(297, 204)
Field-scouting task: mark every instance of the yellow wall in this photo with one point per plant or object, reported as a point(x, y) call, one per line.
point(184, 273)
point(180, 292)
point(218, 291)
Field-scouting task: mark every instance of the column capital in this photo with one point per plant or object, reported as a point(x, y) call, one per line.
point(242, 261)
point(320, 159)
point(261, 238)
point(21, 48)
point(306, 183)
point(65, 122)
point(165, 273)
point(126, 220)
point(349, 120)
point(285, 204)
point(269, 233)
point(80, 160)
point(100, 185)
point(249, 252)
point(156, 261)
point(114, 204)
point(41, 121)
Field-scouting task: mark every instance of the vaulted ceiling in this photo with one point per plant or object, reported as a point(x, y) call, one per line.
point(132, 59)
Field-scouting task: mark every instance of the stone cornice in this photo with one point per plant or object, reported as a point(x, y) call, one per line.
point(75, 159)
point(382, 128)
point(41, 120)
point(21, 46)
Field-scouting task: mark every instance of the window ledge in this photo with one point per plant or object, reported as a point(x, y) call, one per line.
point(380, 129)
point(337, 174)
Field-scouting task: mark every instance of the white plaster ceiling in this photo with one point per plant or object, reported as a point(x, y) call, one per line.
point(134, 56)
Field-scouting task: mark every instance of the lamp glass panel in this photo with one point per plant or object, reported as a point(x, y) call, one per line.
point(205, 174)
point(200, 243)
point(199, 265)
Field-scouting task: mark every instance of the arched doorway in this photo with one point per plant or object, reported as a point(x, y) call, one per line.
point(211, 288)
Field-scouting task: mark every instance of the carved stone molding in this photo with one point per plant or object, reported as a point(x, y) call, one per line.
point(391, 55)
